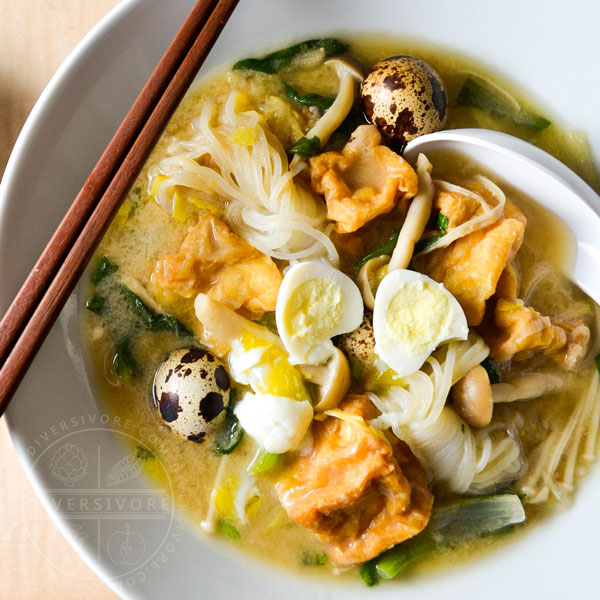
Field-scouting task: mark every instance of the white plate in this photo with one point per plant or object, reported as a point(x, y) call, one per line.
point(549, 48)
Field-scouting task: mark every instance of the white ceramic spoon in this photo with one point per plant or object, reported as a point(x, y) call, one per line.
point(541, 177)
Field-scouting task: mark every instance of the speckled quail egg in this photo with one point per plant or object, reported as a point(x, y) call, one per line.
point(360, 343)
point(191, 392)
point(405, 98)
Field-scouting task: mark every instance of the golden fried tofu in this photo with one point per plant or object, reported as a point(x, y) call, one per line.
point(214, 260)
point(362, 182)
point(471, 266)
point(355, 491)
point(457, 207)
point(522, 332)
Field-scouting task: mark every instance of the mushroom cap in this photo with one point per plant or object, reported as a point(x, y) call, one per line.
point(191, 392)
point(405, 97)
point(344, 62)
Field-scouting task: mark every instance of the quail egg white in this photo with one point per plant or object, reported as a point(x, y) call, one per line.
point(191, 392)
point(315, 303)
point(404, 97)
point(413, 315)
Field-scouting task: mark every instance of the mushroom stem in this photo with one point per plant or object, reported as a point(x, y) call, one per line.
point(332, 378)
point(222, 325)
point(526, 387)
point(338, 111)
point(367, 279)
point(416, 219)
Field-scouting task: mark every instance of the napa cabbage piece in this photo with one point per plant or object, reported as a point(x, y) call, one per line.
point(453, 522)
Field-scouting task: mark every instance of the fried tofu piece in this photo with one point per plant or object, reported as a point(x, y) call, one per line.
point(355, 491)
point(522, 332)
point(364, 181)
point(471, 266)
point(214, 260)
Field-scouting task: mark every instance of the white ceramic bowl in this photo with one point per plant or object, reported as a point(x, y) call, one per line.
point(66, 442)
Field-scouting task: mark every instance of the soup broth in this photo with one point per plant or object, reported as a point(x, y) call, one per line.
point(203, 481)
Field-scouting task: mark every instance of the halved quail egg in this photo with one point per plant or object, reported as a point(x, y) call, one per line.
point(191, 392)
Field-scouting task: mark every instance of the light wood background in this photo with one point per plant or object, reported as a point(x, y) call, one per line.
point(37, 563)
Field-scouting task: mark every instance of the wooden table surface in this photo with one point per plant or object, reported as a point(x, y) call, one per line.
point(35, 37)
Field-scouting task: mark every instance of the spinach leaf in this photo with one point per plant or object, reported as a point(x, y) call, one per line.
point(104, 268)
point(385, 248)
point(150, 319)
point(492, 370)
point(231, 432)
point(276, 61)
point(475, 95)
point(124, 365)
point(321, 102)
point(306, 147)
point(96, 304)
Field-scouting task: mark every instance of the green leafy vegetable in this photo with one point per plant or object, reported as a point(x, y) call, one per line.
point(426, 243)
point(368, 573)
point(452, 523)
point(306, 146)
point(310, 559)
point(276, 61)
point(476, 95)
point(267, 461)
point(394, 561)
point(268, 320)
point(124, 365)
point(385, 248)
point(104, 268)
point(321, 102)
point(597, 361)
point(492, 370)
point(96, 304)
point(144, 453)
point(231, 432)
point(228, 529)
point(442, 222)
point(151, 320)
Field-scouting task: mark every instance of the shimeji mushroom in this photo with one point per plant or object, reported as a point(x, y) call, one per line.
point(369, 277)
point(472, 397)
point(333, 379)
point(350, 72)
point(416, 218)
point(526, 387)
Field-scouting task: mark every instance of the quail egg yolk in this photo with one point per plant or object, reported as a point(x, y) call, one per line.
point(413, 315)
point(273, 374)
point(314, 310)
point(417, 314)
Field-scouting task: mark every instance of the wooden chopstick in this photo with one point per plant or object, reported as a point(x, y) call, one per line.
point(46, 289)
